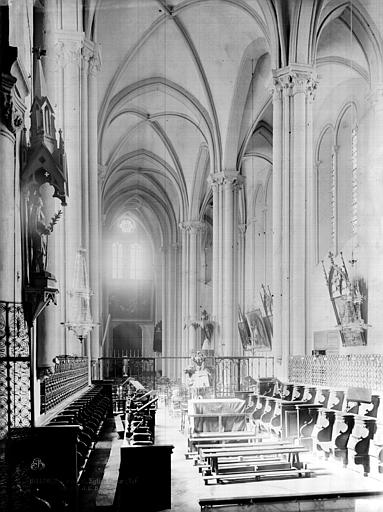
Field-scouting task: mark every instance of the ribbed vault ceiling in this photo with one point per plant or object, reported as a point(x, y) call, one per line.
point(166, 90)
point(183, 85)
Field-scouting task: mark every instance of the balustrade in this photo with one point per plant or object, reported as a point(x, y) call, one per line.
point(363, 370)
point(71, 375)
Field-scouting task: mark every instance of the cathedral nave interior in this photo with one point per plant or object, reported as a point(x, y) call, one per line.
point(191, 254)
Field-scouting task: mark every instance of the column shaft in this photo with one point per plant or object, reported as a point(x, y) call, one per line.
point(84, 105)
point(7, 218)
point(94, 209)
point(193, 287)
point(49, 331)
point(215, 249)
point(228, 285)
point(298, 225)
point(294, 87)
point(185, 294)
point(277, 221)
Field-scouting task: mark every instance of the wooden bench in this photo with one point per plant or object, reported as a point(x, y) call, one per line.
point(213, 458)
point(308, 499)
point(217, 437)
point(257, 475)
point(251, 444)
point(252, 448)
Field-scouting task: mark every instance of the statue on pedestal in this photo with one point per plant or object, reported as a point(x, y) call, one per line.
point(38, 233)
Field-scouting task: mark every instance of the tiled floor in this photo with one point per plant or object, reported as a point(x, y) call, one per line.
point(188, 487)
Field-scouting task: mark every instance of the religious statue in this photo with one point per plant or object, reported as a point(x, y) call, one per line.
point(200, 378)
point(347, 300)
point(207, 327)
point(38, 233)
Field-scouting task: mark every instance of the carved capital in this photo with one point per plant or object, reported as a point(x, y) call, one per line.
point(12, 108)
point(192, 226)
point(232, 178)
point(228, 178)
point(216, 179)
point(68, 52)
point(276, 89)
point(295, 80)
point(91, 57)
point(86, 55)
point(95, 60)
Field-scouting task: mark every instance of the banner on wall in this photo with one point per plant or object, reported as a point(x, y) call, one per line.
point(157, 337)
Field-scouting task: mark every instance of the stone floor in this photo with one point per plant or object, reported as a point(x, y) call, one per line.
point(188, 487)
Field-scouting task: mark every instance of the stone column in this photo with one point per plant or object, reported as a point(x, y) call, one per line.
point(50, 333)
point(302, 164)
point(86, 55)
point(49, 323)
point(68, 53)
point(193, 228)
point(12, 118)
point(105, 348)
point(94, 202)
point(219, 330)
point(230, 301)
point(225, 297)
point(216, 182)
point(178, 310)
point(185, 290)
point(241, 263)
point(165, 327)
point(277, 220)
point(215, 277)
point(293, 91)
point(173, 311)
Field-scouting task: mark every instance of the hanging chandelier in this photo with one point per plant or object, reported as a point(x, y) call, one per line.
point(80, 319)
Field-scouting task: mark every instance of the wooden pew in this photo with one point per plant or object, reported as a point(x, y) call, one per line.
point(218, 437)
point(345, 431)
point(54, 456)
point(255, 464)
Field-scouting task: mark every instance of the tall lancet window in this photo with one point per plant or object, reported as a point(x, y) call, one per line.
point(117, 261)
point(346, 177)
point(326, 197)
point(137, 262)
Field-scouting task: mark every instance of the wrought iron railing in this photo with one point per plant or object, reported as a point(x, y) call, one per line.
point(233, 374)
point(70, 376)
point(15, 368)
point(227, 374)
point(119, 368)
point(361, 370)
